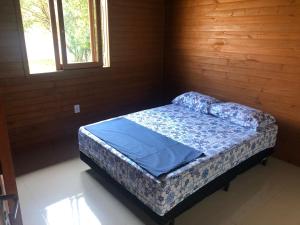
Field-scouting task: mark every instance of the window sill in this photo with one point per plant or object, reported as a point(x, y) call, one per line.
point(68, 71)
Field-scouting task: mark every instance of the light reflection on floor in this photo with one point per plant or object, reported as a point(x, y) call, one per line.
point(70, 211)
point(68, 194)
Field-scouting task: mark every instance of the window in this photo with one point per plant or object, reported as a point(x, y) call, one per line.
point(65, 34)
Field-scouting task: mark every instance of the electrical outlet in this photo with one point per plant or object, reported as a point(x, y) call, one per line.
point(76, 109)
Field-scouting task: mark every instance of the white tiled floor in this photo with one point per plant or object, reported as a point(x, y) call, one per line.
point(69, 194)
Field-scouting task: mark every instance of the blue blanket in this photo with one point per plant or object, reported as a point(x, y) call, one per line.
point(152, 151)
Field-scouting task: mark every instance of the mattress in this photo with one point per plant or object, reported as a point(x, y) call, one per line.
point(224, 144)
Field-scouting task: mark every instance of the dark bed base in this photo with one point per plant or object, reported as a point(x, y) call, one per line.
point(221, 182)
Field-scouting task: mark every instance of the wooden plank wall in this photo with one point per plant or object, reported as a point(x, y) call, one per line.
point(246, 51)
point(6, 164)
point(40, 108)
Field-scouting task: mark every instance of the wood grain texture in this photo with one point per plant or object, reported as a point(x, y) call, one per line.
point(5, 156)
point(40, 108)
point(6, 163)
point(246, 51)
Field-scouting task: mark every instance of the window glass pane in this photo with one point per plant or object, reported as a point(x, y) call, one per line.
point(38, 36)
point(77, 31)
point(105, 34)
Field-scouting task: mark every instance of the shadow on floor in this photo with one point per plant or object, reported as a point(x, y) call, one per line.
point(133, 205)
point(45, 155)
point(227, 200)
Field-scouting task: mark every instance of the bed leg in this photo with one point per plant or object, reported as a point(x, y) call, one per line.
point(264, 161)
point(226, 187)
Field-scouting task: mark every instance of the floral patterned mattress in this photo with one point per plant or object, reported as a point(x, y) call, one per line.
point(224, 144)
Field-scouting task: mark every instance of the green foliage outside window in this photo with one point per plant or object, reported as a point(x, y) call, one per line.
point(76, 22)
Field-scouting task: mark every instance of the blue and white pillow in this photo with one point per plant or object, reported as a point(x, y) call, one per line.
point(242, 115)
point(195, 101)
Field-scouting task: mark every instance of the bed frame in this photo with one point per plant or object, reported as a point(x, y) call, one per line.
point(221, 182)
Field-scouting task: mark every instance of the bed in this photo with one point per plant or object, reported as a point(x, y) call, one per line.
point(228, 148)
